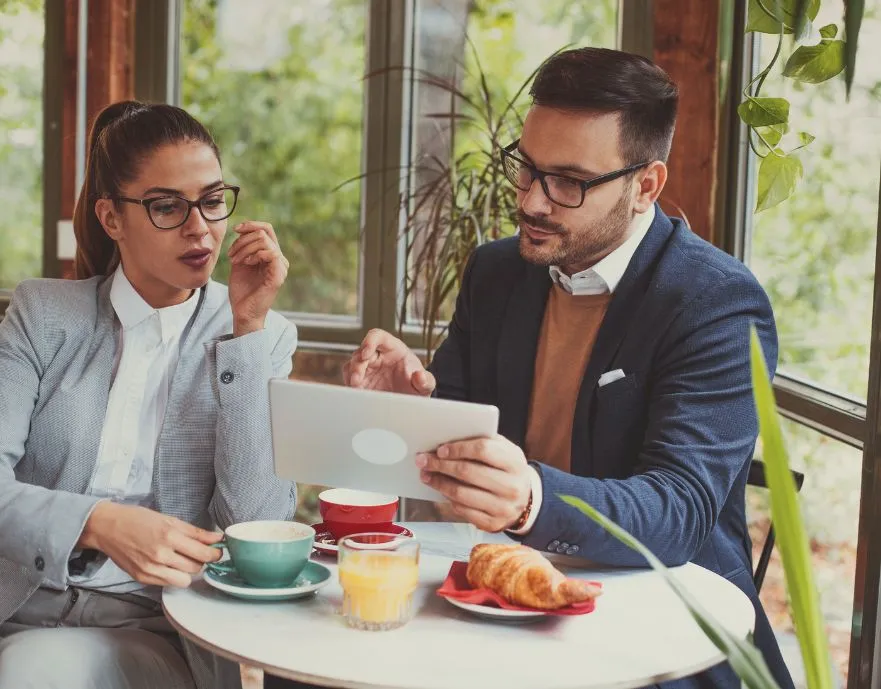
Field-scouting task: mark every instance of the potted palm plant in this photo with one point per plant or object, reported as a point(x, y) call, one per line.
point(455, 197)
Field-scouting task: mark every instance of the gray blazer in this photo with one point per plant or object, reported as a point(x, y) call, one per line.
point(213, 465)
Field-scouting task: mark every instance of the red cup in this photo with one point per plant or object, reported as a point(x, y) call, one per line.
point(346, 512)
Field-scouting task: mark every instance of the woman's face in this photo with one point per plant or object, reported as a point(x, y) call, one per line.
point(165, 265)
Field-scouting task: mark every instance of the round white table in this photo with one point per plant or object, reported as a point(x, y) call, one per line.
point(640, 633)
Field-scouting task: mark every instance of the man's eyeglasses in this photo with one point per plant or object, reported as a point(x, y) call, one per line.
point(171, 211)
point(565, 191)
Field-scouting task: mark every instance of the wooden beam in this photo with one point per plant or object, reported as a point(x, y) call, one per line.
point(686, 37)
point(111, 49)
point(68, 122)
point(68, 115)
point(109, 78)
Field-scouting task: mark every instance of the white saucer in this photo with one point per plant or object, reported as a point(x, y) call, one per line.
point(491, 612)
point(313, 577)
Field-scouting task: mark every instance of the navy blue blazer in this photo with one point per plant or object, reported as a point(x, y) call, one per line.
point(664, 451)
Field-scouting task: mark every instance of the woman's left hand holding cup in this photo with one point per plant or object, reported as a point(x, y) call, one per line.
point(258, 270)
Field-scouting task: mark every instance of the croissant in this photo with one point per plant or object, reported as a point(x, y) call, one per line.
point(522, 576)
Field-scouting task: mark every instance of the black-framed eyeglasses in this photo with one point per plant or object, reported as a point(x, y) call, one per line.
point(563, 190)
point(170, 210)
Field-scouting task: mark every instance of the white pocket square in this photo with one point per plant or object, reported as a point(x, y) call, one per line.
point(610, 377)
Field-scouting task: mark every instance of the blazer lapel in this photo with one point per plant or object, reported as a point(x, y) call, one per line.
point(183, 387)
point(623, 305)
point(518, 345)
point(96, 380)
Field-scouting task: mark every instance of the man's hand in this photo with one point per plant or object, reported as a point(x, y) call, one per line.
point(383, 362)
point(151, 547)
point(486, 480)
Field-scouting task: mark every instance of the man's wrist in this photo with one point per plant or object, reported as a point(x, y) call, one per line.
point(527, 519)
point(524, 515)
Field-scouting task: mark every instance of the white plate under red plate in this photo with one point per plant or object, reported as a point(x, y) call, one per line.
point(492, 612)
point(325, 544)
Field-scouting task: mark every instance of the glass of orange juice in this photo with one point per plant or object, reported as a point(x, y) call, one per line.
point(379, 573)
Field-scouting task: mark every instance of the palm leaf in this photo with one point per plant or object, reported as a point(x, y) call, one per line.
point(792, 542)
point(746, 660)
point(450, 206)
point(791, 537)
point(853, 22)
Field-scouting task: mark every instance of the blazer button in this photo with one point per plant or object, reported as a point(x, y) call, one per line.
point(552, 546)
point(572, 550)
point(40, 563)
point(226, 377)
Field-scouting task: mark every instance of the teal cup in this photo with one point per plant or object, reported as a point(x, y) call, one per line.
point(266, 554)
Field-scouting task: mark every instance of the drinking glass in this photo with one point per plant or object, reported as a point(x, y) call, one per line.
point(379, 573)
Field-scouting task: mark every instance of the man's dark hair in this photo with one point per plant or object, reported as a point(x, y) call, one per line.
point(611, 81)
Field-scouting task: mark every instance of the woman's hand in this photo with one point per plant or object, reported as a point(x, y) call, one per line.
point(151, 547)
point(258, 271)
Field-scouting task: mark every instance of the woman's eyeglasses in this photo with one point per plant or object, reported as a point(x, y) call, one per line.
point(171, 211)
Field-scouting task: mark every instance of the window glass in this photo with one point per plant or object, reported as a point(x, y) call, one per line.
point(22, 26)
point(286, 109)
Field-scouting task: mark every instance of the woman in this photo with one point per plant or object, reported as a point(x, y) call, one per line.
point(134, 412)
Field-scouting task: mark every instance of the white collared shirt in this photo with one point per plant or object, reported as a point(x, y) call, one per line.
point(604, 276)
point(601, 278)
point(146, 358)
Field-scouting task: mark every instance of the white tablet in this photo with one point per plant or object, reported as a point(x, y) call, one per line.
point(343, 437)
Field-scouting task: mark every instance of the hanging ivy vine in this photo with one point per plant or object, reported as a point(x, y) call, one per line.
point(767, 116)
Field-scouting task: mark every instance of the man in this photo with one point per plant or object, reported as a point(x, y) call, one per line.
point(614, 341)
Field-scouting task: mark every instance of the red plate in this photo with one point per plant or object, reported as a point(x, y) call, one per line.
point(325, 544)
point(486, 603)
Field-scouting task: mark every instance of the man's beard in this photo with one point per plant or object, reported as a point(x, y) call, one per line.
point(580, 248)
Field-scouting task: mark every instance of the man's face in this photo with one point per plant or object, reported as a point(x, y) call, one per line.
point(581, 145)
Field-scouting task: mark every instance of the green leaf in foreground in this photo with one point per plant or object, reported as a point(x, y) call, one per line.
point(814, 64)
point(763, 112)
point(746, 660)
point(791, 536)
point(779, 174)
point(853, 21)
point(805, 139)
point(772, 135)
point(765, 16)
point(802, 23)
point(829, 31)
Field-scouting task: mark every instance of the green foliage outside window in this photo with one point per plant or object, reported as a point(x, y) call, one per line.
point(290, 130)
point(21, 140)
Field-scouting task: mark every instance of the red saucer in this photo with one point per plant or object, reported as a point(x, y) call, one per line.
point(325, 543)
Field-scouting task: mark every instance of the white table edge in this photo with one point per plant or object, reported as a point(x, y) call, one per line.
point(242, 660)
point(343, 684)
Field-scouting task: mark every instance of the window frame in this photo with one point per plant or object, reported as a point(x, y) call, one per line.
point(389, 37)
point(811, 404)
point(852, 421)
point(53, 75)
point(389, 43)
